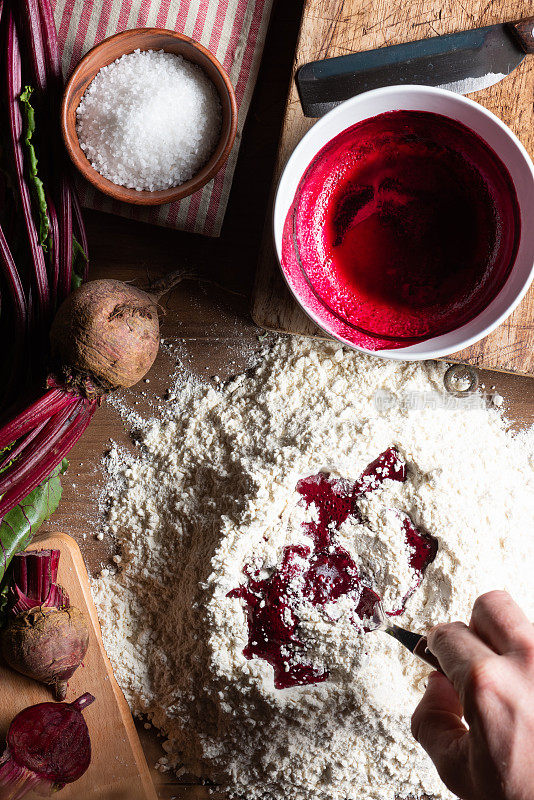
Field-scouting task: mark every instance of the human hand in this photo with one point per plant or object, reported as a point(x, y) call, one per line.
point(490, 682)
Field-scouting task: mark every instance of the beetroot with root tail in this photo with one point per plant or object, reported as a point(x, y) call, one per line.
point(105, 333)
point(105, 336)
point(45, 637)
point(48, 746)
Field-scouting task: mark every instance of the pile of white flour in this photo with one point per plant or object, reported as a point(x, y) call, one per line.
point(212, 490)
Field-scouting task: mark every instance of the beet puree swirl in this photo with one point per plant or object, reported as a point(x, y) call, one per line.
point(404, 227)
point(322, 572)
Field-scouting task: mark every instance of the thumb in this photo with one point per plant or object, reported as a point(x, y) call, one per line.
point(437, 726)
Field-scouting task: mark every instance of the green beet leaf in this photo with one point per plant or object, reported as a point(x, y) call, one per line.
point(20, 525)
point(35, 181)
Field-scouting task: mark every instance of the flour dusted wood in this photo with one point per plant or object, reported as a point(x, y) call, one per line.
point(213, 490)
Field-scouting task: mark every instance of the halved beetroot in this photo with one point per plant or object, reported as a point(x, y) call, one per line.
point(48, 746)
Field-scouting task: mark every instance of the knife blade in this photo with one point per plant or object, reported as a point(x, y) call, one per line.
point(464, 62)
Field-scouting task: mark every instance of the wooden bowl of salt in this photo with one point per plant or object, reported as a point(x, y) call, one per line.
point(107, 52)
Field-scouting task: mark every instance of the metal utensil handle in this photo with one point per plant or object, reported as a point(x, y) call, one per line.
point(523, 30)
point(421, 651)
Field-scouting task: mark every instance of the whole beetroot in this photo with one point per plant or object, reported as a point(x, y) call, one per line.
point(106, 333)
point(48, 746)
point(45, 637)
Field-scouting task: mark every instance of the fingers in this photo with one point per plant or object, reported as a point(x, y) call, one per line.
point(457, 649)
point(439, 695)
point(502, 624)
point(437, 725)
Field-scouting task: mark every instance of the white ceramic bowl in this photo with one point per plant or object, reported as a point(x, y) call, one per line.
point(497, 135)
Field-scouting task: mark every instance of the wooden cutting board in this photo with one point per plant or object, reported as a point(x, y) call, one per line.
point(118, 769)
point(337, 27)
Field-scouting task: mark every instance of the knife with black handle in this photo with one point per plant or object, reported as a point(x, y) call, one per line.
point(464, 62)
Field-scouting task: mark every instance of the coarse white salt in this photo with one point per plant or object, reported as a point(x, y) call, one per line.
point(149, 121)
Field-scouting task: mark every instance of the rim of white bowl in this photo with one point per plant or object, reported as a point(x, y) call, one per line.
point(400, 354)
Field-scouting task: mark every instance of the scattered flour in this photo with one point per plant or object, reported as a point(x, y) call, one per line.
point(497, 400)
point(212, 490)
point(150, 120)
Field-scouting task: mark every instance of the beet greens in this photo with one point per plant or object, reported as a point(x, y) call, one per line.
point(42, 243)
point(42, 237)
point(73, 344)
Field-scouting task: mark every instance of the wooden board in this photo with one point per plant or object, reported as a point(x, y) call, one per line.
point(337, 27)
point(118, 769)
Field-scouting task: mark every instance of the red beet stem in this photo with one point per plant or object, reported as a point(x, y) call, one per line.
point(15, 452)
point(83, 701)
point(46, 441)
point(14, 86)
point(33, 40)
point(50, 460)
point(38, 18)
point(42, 409)
point(82, 236)
point(33, 582)
point(12, 277)
point(19, 319)
point(65, 240)
point(50, 40)
point(33, 572)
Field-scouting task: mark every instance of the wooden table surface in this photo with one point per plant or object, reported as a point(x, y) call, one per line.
point(209, 323)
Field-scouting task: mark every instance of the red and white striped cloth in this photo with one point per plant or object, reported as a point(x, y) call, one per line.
point(234, 30)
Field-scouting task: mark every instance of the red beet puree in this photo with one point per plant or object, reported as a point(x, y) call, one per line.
point(405, 226)
point(321, 573)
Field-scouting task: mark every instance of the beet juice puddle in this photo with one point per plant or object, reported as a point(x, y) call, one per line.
point(323, 572)
point(405, 226)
